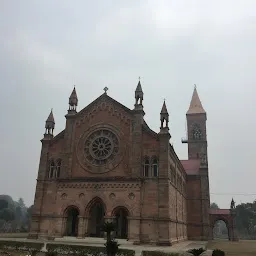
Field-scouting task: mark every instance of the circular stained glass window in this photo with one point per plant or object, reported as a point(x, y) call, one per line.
point(101, 147)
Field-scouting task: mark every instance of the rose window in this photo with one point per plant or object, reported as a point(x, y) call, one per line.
point(101, 147)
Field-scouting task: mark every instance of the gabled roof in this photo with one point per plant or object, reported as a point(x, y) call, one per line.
point(102, 96)
point(191, 166)
point(146, 128)
point(195, 104)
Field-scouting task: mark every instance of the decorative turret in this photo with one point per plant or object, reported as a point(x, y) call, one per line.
point(164, 118)
point(73, 100)
point(49, 125)
point(138, 97)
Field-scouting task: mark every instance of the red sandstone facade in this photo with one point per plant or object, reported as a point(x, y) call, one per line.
point(108, 165)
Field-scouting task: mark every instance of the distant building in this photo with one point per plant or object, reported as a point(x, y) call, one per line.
point(108, 165)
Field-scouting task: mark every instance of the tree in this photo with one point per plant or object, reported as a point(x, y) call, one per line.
point(214, 206)
point(7, 214)
point(21, 203)
point(3, 204)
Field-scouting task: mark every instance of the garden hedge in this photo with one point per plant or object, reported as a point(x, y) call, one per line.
point(19, 245)
point(159, 253)
point(84, 250)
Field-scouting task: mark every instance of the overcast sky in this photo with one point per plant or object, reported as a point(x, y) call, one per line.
point(48, 46)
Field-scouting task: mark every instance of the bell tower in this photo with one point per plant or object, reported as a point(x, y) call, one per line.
point(197, 149)
point(196, 130)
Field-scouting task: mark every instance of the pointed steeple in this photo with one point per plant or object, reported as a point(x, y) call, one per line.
point(50, 118)
point(164, 118)
point(138, 94)
point(195, 104)
point(49, 124)
point(164, 109)
point(73, 100)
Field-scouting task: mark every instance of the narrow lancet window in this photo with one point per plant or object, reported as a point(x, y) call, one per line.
point(58, 168)
point(51, 170)
point(146, 167)
point(155, 167)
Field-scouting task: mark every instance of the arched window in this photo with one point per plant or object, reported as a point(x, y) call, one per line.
point(58, 167)
point(146, 167)
point(51, 170)
point(154, 167)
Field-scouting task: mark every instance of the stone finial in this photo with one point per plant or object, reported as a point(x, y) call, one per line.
point(164, 117)
point(49, 124)
point(138, 95)
point(73, 101)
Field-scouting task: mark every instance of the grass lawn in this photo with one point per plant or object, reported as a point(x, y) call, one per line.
point(240, 248)
point(14, 253)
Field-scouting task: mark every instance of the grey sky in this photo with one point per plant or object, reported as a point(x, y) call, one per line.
point(48, 46)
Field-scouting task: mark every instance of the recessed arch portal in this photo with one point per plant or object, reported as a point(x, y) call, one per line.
point(71, 214)
point(95, 211)
point(121, 219)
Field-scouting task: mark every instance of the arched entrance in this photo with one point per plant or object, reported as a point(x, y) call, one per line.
point(227, 216)
point(220, 230)
point(96, 218)
point(121, 214)
point(71, 215)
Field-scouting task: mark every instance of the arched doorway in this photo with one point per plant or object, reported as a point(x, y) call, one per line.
point(96, 218)
point(121, 221)
point(220, 230)
point(71, 221)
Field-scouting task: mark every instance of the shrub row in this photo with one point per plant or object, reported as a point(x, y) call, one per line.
point(159, 253)
point(194, 252)
point(84, 250)
point(19, 245)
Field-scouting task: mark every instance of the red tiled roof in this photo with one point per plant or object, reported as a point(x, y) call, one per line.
point(220, 211)
point(191, 166)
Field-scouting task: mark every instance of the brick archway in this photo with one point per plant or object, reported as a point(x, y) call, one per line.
point(228, 217)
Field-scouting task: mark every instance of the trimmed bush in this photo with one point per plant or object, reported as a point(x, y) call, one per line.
point(218, 252)
point(196, 252)
point(159, 253)
point(84, 250)
point(23, 246)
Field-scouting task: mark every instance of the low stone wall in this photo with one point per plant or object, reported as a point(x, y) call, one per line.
point(13, 235)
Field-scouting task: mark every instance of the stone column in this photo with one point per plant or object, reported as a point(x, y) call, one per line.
point(80, 227)
point(134, 229)
point(63, 226)
point(109, 219)
point(58, 227)
point(86, 226)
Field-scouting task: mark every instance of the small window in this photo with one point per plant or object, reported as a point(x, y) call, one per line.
point(155, 167)
point(146, 167)
point(58, 168)
point(52, 169)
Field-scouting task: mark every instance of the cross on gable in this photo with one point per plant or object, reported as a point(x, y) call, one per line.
point(105, 89)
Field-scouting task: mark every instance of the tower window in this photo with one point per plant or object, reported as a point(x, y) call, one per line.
point(196, 133)
point(51, 170)
point(146, 167)
point(155, 167)
point(58, 167)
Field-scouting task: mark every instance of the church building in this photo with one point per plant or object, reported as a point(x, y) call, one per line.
point(108, 165)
